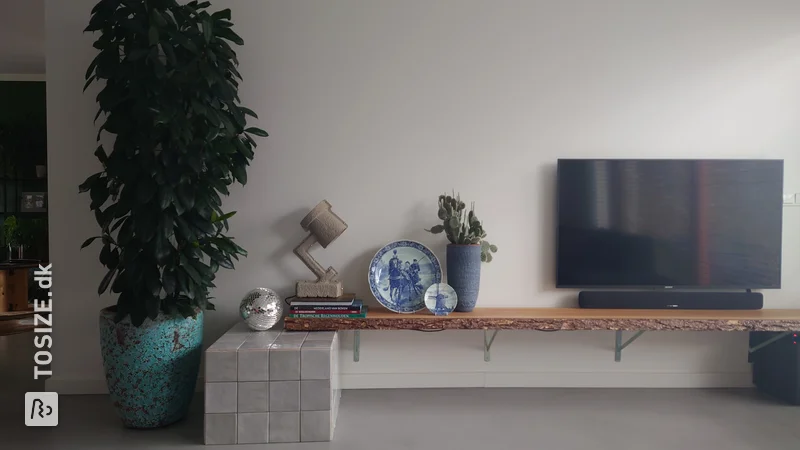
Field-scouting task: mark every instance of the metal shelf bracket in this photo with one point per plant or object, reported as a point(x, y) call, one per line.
point(619, 345)
point(490, 335)
point(356, 345)
point(769, 341)
point(487, 344)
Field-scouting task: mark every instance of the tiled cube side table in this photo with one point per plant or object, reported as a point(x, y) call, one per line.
point(271, 387)
point(319, 386)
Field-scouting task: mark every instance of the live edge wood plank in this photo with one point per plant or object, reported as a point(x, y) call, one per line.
point(572, 319)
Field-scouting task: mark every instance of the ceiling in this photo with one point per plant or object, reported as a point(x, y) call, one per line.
point(22, 37)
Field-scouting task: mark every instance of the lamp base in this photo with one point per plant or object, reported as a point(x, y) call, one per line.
point(319, 289)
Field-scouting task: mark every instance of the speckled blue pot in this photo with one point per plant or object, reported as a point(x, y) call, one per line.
point(464, 274)
point(151, 371)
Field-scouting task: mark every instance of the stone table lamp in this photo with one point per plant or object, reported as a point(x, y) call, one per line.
point(324, 227)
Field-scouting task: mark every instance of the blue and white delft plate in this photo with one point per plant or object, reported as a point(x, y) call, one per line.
point(400, 273)
point(441, 299)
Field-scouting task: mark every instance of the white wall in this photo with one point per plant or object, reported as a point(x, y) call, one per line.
point(22, 36)
point(378, 106)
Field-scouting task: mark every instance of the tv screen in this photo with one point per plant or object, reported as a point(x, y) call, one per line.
point(669, 223)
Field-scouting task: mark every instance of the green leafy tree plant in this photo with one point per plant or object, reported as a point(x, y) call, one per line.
point(462, 227)
point(169, 98)
point(12, 232)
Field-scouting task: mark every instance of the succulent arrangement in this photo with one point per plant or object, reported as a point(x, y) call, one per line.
point(462, 227)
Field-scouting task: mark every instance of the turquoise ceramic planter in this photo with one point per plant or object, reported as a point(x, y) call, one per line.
point(464, 274)
point(151, 371)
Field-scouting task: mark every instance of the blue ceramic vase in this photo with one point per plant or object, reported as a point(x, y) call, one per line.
point(151, 371)
point(464, 274)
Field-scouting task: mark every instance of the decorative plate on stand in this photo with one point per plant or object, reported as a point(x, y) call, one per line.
point(400, 273)
point(441, 299)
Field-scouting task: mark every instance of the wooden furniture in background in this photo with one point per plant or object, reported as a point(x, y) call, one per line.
point(14, 286)
point(16, 322)
point(13, 290)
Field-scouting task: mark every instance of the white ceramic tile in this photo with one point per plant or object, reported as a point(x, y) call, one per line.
point(284, 362)
point(315, 426)
point(220, 366)
point(253, 365)
point(284, 395)
point(291, 337)
point(284, 427)
point(320, 336)
point(220, 398)
point(315, 360)
point(315, 395)
point(220, 429)
point(253, 397)
point(260, 340)
point(252, 428)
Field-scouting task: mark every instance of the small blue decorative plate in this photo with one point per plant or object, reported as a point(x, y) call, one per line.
point(400, 273)
point(440, 299)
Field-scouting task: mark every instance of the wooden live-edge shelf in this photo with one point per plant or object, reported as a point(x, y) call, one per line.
point(567, 319)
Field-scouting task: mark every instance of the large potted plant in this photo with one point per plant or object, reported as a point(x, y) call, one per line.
point(467, 249)
point(180, 138)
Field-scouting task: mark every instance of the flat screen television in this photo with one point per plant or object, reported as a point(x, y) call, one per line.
point(669, 223)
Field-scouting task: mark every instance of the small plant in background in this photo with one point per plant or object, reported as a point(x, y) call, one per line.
point(462, 227)
point(11, 231)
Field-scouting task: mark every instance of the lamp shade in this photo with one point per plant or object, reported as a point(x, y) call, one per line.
point(324, 224)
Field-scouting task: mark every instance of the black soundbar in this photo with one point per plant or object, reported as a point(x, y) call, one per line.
point(670, 300)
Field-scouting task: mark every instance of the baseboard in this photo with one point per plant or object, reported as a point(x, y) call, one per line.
point(547, 380)
point(619, 380)
point(411, 380)
point(484, 379)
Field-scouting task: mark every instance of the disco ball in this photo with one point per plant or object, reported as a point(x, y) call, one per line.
point(261, 309)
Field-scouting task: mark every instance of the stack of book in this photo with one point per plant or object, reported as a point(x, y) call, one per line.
point(344, 307)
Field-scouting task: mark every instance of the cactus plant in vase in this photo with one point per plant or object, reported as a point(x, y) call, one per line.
point(467, 249)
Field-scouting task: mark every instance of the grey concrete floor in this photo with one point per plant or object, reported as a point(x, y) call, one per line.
point(464, 419)
point(553, 419)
